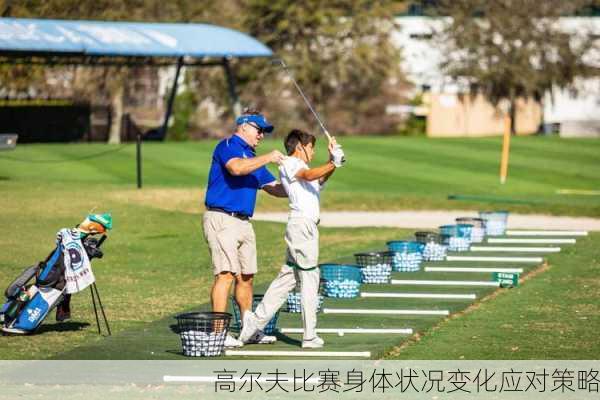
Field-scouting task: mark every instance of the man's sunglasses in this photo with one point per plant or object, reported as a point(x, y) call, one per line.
point(258, 128)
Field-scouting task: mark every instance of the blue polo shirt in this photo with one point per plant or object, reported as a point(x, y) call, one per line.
point(234, 193)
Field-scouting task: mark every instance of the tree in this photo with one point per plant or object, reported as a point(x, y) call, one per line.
point(340, 53)
point(506, 49)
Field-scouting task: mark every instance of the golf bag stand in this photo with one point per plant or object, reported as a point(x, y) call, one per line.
point(96, 295)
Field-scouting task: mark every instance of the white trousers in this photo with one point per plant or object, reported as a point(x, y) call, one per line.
point(302, 239)
point(277, 294)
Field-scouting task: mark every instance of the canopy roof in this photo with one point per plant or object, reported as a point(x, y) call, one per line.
point(45, 37)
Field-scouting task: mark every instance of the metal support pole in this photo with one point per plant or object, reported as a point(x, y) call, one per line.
point(235, 101)
point(138, 154)
point(172, 97)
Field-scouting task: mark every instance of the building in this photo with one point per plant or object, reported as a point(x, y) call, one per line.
point(450, 111)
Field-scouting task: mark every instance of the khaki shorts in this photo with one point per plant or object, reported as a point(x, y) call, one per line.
point(231, 242)
point(302, 239)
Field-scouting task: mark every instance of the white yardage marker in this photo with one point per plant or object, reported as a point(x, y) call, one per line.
point(443, 283)
point(282, 353)
point(546, 233)
point(531, 241)
point(383, 312)
point(467, 269)
point(496, 259)
point(516, 249)
point(419, 295)
point(400, 331)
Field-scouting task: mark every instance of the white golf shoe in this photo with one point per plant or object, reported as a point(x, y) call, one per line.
point(314, 343)
point(249, 327)
point(260, 338)
point(250, 332)
point(230, 341)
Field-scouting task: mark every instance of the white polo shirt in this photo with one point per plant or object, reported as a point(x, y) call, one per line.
point(303, 195)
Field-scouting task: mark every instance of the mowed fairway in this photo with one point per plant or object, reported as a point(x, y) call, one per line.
point(157, 265)
point(383, 173)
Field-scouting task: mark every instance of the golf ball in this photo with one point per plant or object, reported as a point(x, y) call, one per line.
point(434, 252)
point(495, 228)
point(477, 234)
point(406, 261)
point(378, 273)
point(294, 302)
point(459, 243)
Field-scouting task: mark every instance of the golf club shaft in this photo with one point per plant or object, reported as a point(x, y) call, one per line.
point(285, 67)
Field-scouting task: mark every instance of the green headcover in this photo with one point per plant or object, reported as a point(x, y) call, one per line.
point(103, 219)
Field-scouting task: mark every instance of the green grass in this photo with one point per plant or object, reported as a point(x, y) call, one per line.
point(383, 173)
point(157, 265)
point(553, 316)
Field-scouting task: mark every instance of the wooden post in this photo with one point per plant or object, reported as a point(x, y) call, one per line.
point(505, 149)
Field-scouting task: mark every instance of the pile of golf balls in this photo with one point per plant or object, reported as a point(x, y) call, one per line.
point(379, 273)
point(406, 262)
point(477, 234)
point(344, 289)
point(202, 344)
point(294, 302)
point(495, 227)
point(458, 243)
point(434, 252)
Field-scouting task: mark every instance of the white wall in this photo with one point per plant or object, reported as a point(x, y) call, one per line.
point(421, 62)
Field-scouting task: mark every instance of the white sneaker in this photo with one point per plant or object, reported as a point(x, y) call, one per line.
point(314, 343)
point(249, 328)
point(230, 341)
point(260, 338)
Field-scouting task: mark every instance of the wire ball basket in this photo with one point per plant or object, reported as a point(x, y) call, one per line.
point(456, 237)
point(495, 222)
point(434, 250)
point(408, 255)
point(341, 280)
point(269, 329)
point(376, 267)
point(478, 230)
point(203, 334)
point(294, 299)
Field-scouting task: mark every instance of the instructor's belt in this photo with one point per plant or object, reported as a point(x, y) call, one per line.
point(243, 217)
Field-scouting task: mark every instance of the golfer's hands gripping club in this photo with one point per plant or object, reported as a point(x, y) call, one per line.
point(336, 153)
point(276, 157)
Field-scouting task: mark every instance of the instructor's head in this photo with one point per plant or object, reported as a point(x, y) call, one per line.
point(300, 144)
point(252, 126)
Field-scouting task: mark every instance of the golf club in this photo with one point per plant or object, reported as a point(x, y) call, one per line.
point(286, 69)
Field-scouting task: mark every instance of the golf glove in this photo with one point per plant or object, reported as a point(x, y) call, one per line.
point(338, 157)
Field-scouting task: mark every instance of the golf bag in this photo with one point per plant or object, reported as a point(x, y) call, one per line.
point(41, 287)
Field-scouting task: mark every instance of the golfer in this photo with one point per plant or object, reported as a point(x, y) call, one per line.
point(303, 186)
point(236, 173)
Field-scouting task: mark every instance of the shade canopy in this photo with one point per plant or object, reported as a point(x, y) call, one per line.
point(45, 37)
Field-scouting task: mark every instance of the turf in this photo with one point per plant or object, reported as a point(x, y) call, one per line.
point(156, 263)
point(383, 173)
point(158, 340)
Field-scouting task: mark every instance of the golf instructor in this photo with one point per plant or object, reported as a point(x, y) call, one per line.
point(236, 173)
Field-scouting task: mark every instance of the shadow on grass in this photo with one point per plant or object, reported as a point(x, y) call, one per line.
point(287, 340)
point(63, 327)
